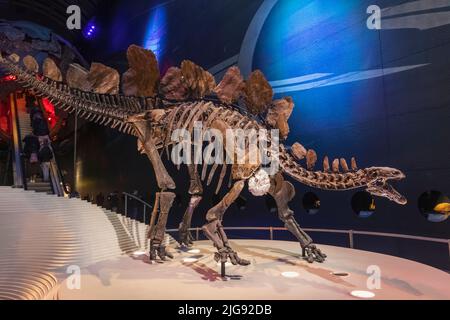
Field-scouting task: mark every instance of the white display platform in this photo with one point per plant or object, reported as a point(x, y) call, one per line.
point(276, 272)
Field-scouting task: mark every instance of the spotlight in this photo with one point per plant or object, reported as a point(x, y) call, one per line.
point(9, 78)
point(190, 260)
point(194, 251)
point(362, 294)
point(89, 30)
point(290, 274)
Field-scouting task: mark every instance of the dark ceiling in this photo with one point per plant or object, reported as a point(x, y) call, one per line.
point(50, 13)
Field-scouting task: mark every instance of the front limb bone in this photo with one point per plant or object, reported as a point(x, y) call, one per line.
point(147, 144)
point(283, 192)
point(157, 232)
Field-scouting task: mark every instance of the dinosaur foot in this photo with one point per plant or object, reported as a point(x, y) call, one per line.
point(227, 253)
point(186, 238)
point(313, 254)
point(159, 251)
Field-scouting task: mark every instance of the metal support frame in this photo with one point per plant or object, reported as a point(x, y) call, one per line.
point(222, 269)
point(350, 239)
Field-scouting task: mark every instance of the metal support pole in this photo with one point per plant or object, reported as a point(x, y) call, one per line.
point(271, 233)
point(75, 152)
point(145, 209)
point(350, 238)
point(222, 270)
point(197, 233)
point(126, 205)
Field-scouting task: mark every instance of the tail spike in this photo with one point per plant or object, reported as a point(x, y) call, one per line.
point(344, 165)
point(335, 166)
point(311, 159)
point(326, 164)
point(353, 164)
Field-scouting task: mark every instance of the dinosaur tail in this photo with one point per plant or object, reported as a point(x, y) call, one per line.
point(90, 106)
point(319, 179)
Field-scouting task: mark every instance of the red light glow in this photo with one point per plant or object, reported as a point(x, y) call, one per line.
point(10, 78)
point(50, 111)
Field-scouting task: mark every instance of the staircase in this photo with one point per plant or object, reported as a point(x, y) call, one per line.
point(42, 235)
point(24, 130)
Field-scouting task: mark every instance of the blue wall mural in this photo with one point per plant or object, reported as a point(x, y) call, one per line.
point(156, 31)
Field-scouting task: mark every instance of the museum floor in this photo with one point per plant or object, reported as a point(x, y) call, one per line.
point(276, 272)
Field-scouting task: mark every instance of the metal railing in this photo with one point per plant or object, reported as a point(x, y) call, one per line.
point(350, 234)
point(145, 204)
point(57, 178)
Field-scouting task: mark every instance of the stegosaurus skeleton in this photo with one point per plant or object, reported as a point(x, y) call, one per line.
point(153, 119)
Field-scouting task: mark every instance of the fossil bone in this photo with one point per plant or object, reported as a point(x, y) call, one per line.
point(326, 164)
point(311, 159)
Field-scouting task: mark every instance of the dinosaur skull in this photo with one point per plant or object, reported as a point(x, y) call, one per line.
point(259, 184)
point(378, 185)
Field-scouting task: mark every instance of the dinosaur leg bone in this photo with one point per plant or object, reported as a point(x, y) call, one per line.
point(183, 230)
point(195, 190)
point(164, 201)
point(214, 229)
point(283, 192)
point(147, 144)
point(151, 227)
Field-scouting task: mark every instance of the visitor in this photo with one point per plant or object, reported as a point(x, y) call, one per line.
point(113, 199)
point(30, 145)
point(40, 128)
point(33, 167)
point(34, 110)
point(74, 194)
point(100, 199)
point(45, 156)
point(29, 152)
